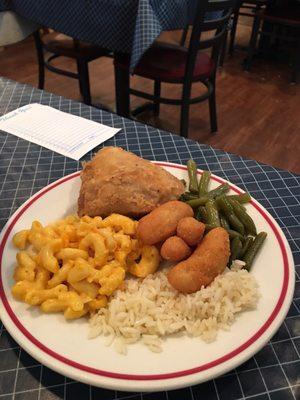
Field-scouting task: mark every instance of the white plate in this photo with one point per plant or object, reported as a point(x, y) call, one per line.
point(64, 347)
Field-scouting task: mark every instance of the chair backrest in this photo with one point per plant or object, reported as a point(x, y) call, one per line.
point(210, 16)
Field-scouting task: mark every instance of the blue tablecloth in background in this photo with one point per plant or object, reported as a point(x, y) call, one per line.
point(272, 374)
point(128, 26)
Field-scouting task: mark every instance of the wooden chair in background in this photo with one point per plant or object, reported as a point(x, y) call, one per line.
point(283, 27)
point(168, 63)
point(59, 45)
point(247, 9)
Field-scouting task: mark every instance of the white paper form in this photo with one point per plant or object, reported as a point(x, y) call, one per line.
point(64, 133)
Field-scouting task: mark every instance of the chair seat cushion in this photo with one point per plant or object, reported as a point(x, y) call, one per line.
point(166, 62)
point(63, 45)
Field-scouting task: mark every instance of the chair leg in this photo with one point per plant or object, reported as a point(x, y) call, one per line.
point(184, 35)
point(156, 104)
point(122, 85)
point(84, 80)
point(40, 56)
point(223, 50)
point(296, 66)
point(185, 108)
point(184, 119)
point(252, 43)
point(233, 31)
point(213, 108)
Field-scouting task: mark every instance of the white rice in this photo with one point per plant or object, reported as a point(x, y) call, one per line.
point(150, 309)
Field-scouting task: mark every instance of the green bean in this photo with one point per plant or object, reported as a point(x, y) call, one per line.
point(241, 205)
point(200, 201)
point(201, 214)
point(224, 222)
point(253, 250)
point(246, 245)
point(246, 220)
point(192, 171)
point(188, 196)
point(225, 205)
point(204, 182)
point(241, 198)
point(235, 248)
point(212, 213)
point(236, 224)
point(233, 234)
point(219, 191)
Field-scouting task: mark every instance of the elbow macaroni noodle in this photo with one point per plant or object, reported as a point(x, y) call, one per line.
point(75, 264)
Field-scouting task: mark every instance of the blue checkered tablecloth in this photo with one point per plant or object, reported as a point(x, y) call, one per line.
point(4, 6)
point(25, 168)
point(128, 26)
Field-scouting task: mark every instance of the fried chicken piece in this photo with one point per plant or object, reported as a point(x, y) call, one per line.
point(116, 181)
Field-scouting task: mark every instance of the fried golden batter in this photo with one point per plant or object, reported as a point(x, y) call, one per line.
point(208, 261)
point(162, 222)
point(116, 181)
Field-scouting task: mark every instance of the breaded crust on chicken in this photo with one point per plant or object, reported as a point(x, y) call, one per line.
point(116, 181)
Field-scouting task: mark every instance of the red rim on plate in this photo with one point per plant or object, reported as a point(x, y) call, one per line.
point(152, 377)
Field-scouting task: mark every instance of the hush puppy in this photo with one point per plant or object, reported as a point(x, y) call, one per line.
point(175, 249)
point(161, 223)
point(208, 261)
point(190, 230)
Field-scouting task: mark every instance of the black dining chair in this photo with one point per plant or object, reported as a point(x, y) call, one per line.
point(211, 15)
point(280, 23)
point(58, 45)
point(247, 9)
point(169, 63)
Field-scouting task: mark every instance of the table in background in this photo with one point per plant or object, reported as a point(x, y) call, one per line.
point(25, 168)
point(126, 27)
point(123, 26)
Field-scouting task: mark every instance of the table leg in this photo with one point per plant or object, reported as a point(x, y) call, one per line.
point(122, 80)
point(296, 67)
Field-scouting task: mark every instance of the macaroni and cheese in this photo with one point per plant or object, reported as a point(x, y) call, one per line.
point(75, 264)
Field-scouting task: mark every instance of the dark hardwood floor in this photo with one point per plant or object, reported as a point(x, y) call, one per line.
point(258, 111)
